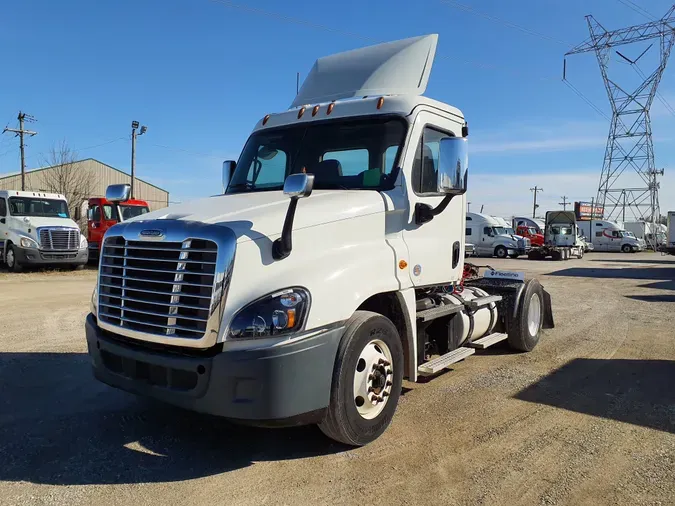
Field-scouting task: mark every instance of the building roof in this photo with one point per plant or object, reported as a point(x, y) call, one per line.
point(14, 174)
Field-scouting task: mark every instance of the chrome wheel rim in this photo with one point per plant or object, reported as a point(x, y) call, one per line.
point(373, 379)
point(534, 314)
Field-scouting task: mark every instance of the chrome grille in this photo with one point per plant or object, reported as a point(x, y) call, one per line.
point(160, 288)
point(59, 238)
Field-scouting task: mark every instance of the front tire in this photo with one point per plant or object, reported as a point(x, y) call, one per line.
point(367, 379)
point(526, 326)
point(501, 252)
point(13, 264)
point(626, 248)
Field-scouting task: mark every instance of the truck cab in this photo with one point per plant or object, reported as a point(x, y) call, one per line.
point(536, 239)
point(36, 230)
point(537, 224)
point(491, 237)
point(609, 236)
point(331, 267)
point(103, 214)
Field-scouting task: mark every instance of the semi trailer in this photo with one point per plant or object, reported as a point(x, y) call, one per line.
point(331, 267)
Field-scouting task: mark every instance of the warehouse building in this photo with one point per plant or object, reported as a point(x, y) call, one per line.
point(97, 176)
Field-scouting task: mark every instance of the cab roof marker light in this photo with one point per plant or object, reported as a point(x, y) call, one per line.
point(315, 110)
point(330, 108)
point(301, 112)
point(266, 119)
point(380, 102)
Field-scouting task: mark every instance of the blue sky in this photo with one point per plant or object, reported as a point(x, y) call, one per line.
point(200, 73)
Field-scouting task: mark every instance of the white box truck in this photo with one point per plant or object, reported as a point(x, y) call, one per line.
point(650, 234)
point(331, 268)
point(610, 236)
point(492, 236)
point(36, 229)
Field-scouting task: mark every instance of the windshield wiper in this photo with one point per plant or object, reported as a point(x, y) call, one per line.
point(242, 186)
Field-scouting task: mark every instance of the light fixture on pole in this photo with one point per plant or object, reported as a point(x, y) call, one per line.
point(134, 127)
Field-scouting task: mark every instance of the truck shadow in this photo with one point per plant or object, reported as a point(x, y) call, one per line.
point(652, 298)
point(653, 273)
point(656, 261)
point(60, 426)
point(631, 391)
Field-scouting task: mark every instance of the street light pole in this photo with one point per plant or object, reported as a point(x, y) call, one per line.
point(134, 126)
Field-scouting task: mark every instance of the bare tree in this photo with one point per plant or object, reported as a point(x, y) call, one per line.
point(67, 177)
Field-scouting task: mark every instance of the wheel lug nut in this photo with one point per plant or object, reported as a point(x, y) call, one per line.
point(380, 399)
point(389, 383)
point(389, 371)
point(385, 394)
point(371, 377)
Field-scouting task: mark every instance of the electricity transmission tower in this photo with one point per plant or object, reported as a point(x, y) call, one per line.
point(629, 144)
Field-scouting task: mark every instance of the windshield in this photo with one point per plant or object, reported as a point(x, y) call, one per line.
point(532, 230)
point(499, 230)
point(628, 234)
point(30, 206)
point(129, 212)
point(510, 231)
point(350, 154)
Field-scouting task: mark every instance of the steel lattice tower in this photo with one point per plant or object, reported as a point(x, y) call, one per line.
point(629, 144)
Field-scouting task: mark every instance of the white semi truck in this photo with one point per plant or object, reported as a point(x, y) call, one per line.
point(670, 234)
point(609, 236)
point(492, 236)
point(36, 229)
point(331, 268)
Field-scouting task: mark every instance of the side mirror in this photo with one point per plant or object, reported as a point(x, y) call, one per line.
point(296, 186)
point(299, 185)
point(453, 165)
point(228, 170)
point(118, 192)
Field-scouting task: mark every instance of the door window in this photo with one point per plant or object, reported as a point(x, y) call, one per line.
point(598, 234)
point(425, 166)
point(95, 213)
point(487, 231)
point(3, 207)
point(467, 231)
point(615, 234)
point(107, 212)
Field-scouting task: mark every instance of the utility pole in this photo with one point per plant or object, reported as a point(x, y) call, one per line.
point(468, 207)
point(536, 189)
point(20, 133)
point(564, 203)
point(134, 126)
point(297, 83)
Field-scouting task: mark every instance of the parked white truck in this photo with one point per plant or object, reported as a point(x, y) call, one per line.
point(561, 238)
point(670, 238)
point(36, 229)
point(650, 234)
point(331, 268)
point(491, 237)
point(610, 236)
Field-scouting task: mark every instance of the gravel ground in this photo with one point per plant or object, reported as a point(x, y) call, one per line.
point(587, 418)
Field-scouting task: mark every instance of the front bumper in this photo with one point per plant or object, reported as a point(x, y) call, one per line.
point(31, 256)
point(287, 384)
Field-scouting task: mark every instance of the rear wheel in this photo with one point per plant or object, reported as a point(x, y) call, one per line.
point(526, 326)
point(11, 261)
point(367, 380)
point(501, 252)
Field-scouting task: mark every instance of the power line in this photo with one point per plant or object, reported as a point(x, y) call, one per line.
point(585, 99)
point(636, 8)
point(501, 21)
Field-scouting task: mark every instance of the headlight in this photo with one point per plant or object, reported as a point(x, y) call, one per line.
point(27, 242)
point(278, 314)
point(511, 245)
point(94, 300)
point(83, 242)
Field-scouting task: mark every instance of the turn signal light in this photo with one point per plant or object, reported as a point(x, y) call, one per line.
point(380, 102)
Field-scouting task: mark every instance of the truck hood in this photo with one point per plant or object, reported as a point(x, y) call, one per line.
point(261, 214)
point(44, 221)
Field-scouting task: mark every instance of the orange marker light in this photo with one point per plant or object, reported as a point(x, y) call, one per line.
point(330, 108)
point(315, 110)
point(301, 112)
point(291, 318)
point(266, 119)
point(380, 102)
point(402, 264)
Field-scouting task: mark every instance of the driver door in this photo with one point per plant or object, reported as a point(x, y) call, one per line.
point(435, 248)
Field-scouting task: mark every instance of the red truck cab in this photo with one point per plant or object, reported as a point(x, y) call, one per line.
point(531, 233)
point(102, 215)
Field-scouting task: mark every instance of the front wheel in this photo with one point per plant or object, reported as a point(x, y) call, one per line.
point(526, 326)
point(12, 263)
point(501, 252)
point(366, 382)
point(626, 248)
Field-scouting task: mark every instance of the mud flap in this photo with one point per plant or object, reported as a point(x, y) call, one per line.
point(548, 312)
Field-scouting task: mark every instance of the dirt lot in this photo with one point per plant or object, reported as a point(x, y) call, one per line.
point(587, 418)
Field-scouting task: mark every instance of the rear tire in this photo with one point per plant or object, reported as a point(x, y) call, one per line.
point(556, 255)
point(13, 264)
point(350, 418)
point(501, 252)
point(526, 326)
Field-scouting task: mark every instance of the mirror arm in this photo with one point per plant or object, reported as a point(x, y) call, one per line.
point(282, 246)
point(425, 213)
